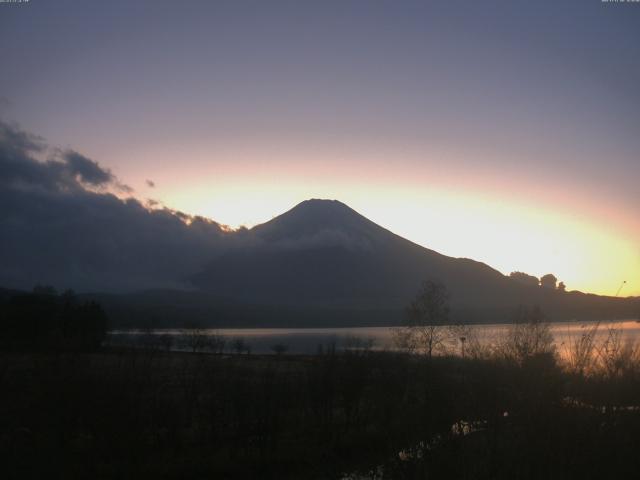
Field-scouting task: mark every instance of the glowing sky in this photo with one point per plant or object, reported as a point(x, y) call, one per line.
point(504, 131)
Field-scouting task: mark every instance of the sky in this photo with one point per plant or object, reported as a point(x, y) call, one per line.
point(503, 131)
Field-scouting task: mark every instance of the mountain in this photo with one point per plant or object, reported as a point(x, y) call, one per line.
point(323, 254)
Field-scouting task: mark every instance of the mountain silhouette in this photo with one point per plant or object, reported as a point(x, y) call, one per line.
point(322, 253)
point(313, 217)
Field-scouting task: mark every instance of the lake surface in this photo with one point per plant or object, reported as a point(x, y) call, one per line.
point(310, 340)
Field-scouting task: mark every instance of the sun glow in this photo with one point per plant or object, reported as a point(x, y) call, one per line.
point(507, 235)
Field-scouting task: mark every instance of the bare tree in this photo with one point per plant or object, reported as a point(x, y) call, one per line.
point(196, 339)
point(216, 343)
point(529, 336)
point(617, 356)
point(580, 353)
point(239, 346)
point(427, 314)
point(463, 340)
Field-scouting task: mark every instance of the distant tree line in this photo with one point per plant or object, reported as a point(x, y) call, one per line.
point(549, 281)
point(46, 320)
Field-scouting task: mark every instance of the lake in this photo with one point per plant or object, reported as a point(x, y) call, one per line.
point(309, 340)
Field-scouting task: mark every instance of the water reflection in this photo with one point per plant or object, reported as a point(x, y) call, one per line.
point(312, 340)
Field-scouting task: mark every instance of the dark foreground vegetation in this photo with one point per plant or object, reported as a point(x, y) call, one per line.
point(517, 409)
point(157, 414)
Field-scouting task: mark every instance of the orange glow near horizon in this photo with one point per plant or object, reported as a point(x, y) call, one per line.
point(587, 255)
point(522, 219)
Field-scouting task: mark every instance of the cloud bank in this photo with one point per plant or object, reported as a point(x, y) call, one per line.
point(64, 221)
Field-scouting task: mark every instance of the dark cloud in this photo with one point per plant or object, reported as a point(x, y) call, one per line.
point(124, 188)
point(87, 170)
point(151, 184)
point(61, 222)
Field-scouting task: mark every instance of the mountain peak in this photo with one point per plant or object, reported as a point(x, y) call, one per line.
point(317, 215)
point(321, 204)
